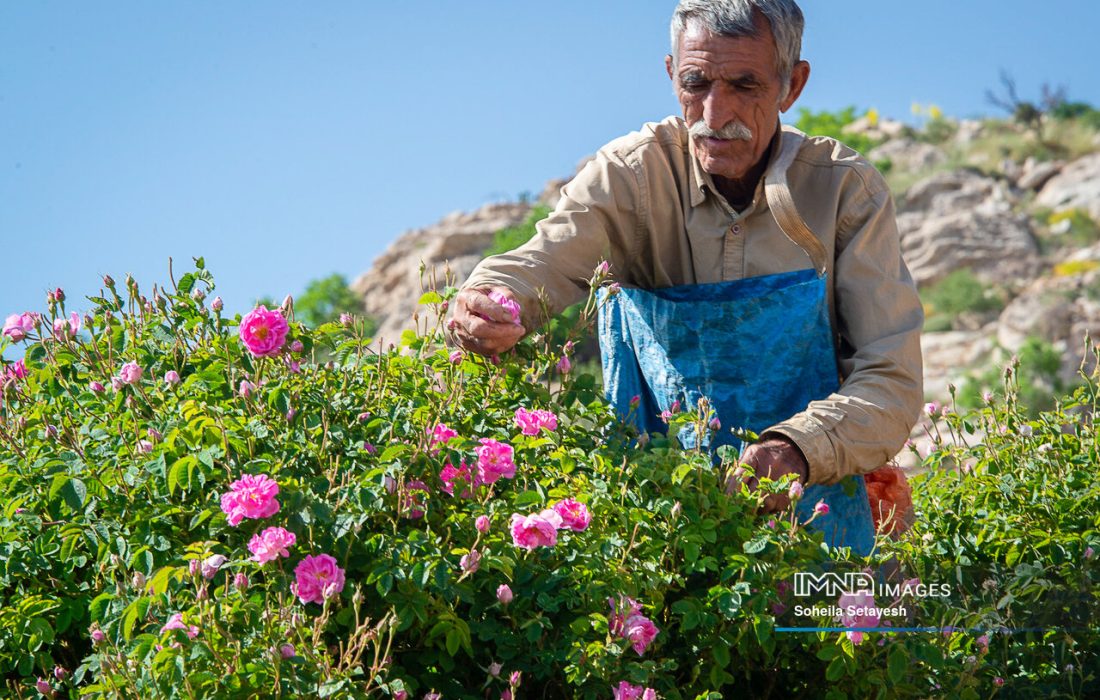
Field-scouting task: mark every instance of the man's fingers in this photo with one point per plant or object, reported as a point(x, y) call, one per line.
point(478, 304)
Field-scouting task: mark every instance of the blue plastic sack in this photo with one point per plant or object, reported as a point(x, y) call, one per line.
point(760, 349)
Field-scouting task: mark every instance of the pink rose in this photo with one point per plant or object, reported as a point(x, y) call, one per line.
point(316, 578)
point(176, 623)
point(795, 491)
point(857, 610)
point(171, 377)
point(470, 562)
point(210, 565)
point(130, 373)
point(574, 515)
point(18, 326)
point(640, 631)
point(286, 651)
point(531, 422)
point(43, 686)
point(144, 446)
point(251, 496)
point(98, 636)
point(482, 523)
point(263, 332)
point(240, 581)
point(455, 357)
point(822, 508)
point(494, 460)
point(414, 501)
point(626, 691)
point(441, 435)
point(272, 543)
point(449, 475)
point(504, 594)
point(511, 306)
point(564, 365)
point(536, 530)
point(246, 388)
point(97, 388)
point(620, 610)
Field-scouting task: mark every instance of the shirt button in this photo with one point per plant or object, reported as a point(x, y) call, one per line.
point(735, 229)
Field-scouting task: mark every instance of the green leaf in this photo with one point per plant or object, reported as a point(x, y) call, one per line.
point(186, 283)
point(896, 663)
point(836, 670)
point(75, 493)
point(527, 499)
point(756, 544)
point(430, 298)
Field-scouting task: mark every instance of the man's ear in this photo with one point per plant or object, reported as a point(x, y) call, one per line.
point(668, 66)
point(800, 74)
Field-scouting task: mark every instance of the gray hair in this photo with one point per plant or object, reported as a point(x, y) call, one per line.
point(734, 18)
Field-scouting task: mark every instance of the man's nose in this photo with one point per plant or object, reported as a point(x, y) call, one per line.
point(719, 107)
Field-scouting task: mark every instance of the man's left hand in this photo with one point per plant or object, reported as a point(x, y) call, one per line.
point(773, 458)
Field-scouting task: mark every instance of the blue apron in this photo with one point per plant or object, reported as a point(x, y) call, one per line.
point(760, 349)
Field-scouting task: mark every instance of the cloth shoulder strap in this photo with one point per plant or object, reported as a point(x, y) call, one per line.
point(782, 203)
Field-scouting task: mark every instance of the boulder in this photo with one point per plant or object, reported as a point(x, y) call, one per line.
point(1077, 186)
point(962, 219)
point(1035, 174)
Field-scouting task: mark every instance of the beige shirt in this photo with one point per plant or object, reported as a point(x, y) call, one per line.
point(645, 205)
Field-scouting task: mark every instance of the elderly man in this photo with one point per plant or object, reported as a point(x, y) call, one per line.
point(727, 208)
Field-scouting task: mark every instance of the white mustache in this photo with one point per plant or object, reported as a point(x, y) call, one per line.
point(735, 131)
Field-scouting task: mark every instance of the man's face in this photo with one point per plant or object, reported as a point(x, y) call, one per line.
point(722, 81)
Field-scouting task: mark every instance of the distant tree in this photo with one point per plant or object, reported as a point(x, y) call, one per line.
point(325, 299)
point(1024, 112)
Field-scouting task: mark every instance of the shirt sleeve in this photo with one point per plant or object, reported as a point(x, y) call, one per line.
point(596, 219)
point(879, 319)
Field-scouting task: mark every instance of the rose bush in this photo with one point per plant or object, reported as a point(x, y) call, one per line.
point(193, 507)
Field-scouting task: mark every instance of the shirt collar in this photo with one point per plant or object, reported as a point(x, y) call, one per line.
point(702, 182)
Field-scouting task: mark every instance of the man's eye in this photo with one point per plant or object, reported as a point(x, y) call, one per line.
point(693, 85)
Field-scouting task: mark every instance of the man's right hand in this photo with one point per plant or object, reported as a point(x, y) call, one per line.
point(481, 325)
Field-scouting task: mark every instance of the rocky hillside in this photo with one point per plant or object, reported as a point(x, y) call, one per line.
point(998, 226)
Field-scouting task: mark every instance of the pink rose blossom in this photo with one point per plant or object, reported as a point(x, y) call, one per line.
point(272, 543)
point(211, 565)
point(240, 581)
point(117, 384)
point(346, 319)
point(640, 631)
point(482, 523)
point(983, 642)
point(531, 422)
point(97, 388)
point(495, 668)
point(297, 347)
point(574, 515)
point(626, 691)
point(246, 388)
point(511, 306)
point(43, 686)
point(857, 610)
point(286, 651)
point(171, 377)
point(316, 578)
point(60, 672)
point(401, 695)
point(18, 326)
point(998, 681)
point(536, 530)
point(564, 365)
point(251, 496)
point(504, 594)
point(217, 304)
point(414, 498)
point(441, 435)
point(822, 508)
point(494, 460)
point(263, 332)
point(369, 448)
point(932, 409)
point(470, 562)
point(60, 328)
point(795, 491)
point(1089, 552)
point(450, 476)
point(455, 357)
point(130, 373)
point(176, 623)
point(620, 610)
point(97, 635)
point(145, 446)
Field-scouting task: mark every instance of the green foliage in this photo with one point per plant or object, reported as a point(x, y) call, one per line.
point(1080, 111)
point(108, 496)
point(960, 292)
point(1072, 227)
point(514, 236)
point(831, 124)
point(325, 299)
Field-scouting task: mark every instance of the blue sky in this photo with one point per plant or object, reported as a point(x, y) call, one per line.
point(284, 141)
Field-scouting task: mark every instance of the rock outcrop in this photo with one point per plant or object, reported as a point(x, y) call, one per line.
point(1076, 186)
point(962, 219)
